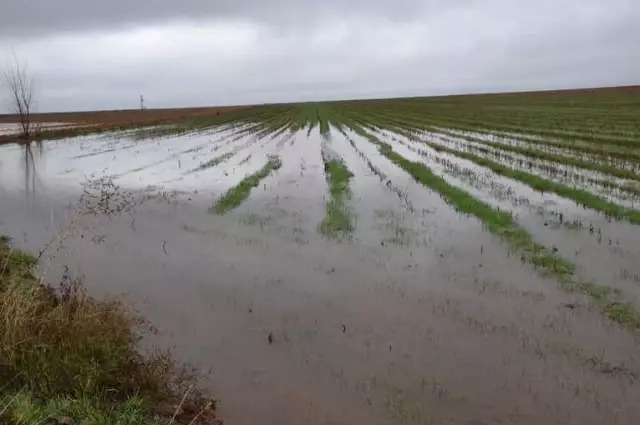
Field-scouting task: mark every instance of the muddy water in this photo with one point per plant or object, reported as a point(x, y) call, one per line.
point(604, 251)
point(289, 203)
point(448, 327)
point(595, 182)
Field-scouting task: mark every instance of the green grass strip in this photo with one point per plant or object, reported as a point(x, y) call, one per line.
point(408, 130)
point(505, 123)
point(585, 148)
point(236, 195)
point(546, 262)
point(561, 159)
point(215, 161)
point(538, 183)
point(338, 219)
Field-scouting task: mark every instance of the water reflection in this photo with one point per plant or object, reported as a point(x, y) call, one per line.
point(32, 153)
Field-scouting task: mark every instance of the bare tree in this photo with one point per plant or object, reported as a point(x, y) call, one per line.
point(19, 88)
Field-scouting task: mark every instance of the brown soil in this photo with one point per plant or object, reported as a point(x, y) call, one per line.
point(621, 90)
point(100, 121)
point(601, 90)
point(119, 117)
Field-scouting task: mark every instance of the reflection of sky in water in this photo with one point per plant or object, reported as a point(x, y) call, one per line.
point(59, 168)
point(539, 215)
point(171, 163)
point(9, 128)
point(574, 175)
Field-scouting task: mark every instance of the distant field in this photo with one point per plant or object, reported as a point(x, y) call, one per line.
point(591, 114)
point(100, 121)
point(121, 116)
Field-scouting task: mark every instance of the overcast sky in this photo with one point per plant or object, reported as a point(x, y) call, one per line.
point(104, 54)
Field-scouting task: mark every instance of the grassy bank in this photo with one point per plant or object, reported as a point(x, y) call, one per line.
point(236, 195)
point(66, 357)
point(338, 220)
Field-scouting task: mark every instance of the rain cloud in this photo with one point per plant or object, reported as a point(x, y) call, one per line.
point(103, 55)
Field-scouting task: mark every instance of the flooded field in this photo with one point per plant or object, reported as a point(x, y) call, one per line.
point(8, 129)
point(351, 264)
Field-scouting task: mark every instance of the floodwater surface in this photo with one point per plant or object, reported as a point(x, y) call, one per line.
point(419, 316)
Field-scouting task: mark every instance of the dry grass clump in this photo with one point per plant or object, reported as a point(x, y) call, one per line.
point(66, 352)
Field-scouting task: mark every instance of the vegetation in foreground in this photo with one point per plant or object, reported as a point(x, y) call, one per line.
point(338, 219)
point(68, 358)
point(235, 196)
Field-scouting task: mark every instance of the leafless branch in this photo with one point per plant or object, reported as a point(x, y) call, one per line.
point(19, 87)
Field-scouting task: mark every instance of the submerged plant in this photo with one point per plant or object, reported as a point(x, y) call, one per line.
point(236, 195)
point(338, 219)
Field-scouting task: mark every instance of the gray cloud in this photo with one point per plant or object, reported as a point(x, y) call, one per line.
point(103, 55)
point(36, 17)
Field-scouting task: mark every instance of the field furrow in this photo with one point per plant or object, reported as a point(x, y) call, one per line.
point(236, 195)
point(546, 260)
point(604, 200)
point(592, 242)
point(625, 158)
point(290, 203)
